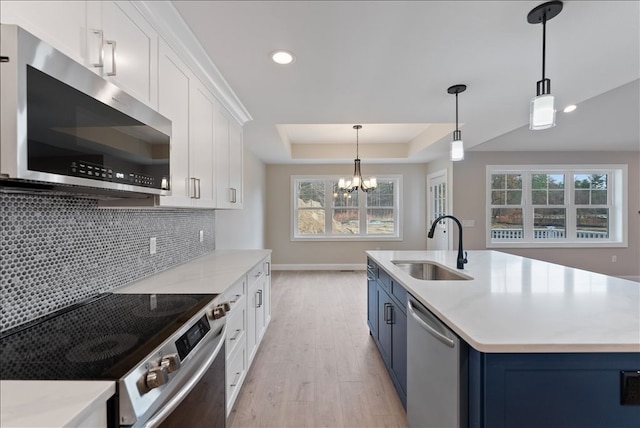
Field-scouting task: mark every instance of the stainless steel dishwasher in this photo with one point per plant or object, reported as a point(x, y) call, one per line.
point(436, 372)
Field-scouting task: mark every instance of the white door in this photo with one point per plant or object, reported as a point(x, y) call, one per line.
point(437, 205)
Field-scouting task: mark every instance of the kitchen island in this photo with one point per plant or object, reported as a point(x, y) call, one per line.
point(546, 343)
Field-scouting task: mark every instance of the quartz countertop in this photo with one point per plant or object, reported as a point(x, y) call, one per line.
point(211, 273)
point(516, 304)
point(30, 403)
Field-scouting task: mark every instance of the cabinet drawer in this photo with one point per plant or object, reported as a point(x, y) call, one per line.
point(256, 273)
point(385, 279)
point(399, 293)
point(236, 371)
point(235, 293)
point(236, 327)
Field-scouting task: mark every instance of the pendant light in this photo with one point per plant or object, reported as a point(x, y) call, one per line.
point(457, 148)
point(357, 182)
point(543, 112)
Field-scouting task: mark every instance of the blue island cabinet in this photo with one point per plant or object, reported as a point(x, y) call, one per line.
point(550, 390)
point(387, 319)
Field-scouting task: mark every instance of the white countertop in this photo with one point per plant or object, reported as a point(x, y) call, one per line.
point(66, 403)
point(27, 403)
point(211, 273)
point(515, 304)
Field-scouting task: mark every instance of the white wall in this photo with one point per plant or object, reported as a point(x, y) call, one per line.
point(244, 229)
point(339, 254)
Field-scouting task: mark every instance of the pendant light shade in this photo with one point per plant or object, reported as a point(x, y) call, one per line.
point(543, 112)
point(457, 147)
point(357, 182)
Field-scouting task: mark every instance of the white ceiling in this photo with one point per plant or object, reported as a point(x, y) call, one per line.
point(387, 65)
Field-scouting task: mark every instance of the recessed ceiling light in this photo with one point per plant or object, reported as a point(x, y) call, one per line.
point(570, 108)
point(282, 57)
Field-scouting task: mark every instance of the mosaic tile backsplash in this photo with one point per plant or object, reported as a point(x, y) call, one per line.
point(58, 250)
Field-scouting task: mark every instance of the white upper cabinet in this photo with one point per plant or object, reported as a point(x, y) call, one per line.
point(201, 124)
point(185, 101)
point(122, 47)
point(62, 24)
point(110, 37)
point(173, 102)
point(228, 160)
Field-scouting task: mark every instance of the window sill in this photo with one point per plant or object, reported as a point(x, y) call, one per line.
point(346, 238)
point(591, 244)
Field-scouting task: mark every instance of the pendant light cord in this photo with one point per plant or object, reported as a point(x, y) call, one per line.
point(456, 112)
point(357, 143)
point(544, 42)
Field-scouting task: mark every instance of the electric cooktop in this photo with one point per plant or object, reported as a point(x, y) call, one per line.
point(99, 339)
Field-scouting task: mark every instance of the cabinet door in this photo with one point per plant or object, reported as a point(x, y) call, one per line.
point(261, 294)
point(235, 163)
point(267, 292)
point(372, 306)
point(129, 48)
point(385, 314)
point(173, 102)
point(60, 23)
point(251, 320)
point(399, 347)
point(223, 134)
point(201, 114)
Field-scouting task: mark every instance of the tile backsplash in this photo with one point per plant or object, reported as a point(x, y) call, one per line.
point(58, 250)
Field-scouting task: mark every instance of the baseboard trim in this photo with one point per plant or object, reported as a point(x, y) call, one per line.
point(322, 266)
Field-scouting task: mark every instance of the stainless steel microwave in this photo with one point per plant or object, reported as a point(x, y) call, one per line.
point(64, 127)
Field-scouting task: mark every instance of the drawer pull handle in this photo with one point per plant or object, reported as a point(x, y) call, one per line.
point(235, 336)
point(236, 380)
point(235, 298)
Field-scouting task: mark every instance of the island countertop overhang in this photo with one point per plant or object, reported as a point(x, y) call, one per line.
point(516, 304)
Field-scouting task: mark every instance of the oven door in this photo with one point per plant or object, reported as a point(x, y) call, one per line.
point(201, 402)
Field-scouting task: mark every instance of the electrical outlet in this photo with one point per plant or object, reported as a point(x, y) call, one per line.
point(201, 235)
point(614, 259)
point(630, 388)
point(152, 245)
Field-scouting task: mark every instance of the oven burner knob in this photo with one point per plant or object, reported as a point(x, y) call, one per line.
point(156, 377)
point(219, 311)
point(170, 363)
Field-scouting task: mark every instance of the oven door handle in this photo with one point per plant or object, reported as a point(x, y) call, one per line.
point(170, 406)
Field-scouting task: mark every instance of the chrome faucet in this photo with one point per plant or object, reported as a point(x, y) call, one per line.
point(462, 255)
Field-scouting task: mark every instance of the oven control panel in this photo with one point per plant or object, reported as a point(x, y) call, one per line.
point(190, 339)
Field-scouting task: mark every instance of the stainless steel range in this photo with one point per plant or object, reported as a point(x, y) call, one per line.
point(164, 351)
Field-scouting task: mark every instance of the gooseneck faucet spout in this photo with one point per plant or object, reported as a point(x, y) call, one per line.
point(462, 255)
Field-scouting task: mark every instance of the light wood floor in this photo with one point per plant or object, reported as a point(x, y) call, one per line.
point(317, 365)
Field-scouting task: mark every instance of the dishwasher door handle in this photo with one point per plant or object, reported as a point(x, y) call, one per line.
point(426, 324)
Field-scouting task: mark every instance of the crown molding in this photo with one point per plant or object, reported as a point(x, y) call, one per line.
point(170, 25)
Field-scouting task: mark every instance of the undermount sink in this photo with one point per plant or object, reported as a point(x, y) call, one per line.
point(430, 271)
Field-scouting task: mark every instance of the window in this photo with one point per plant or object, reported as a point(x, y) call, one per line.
point(322, 211)
point(571, 206)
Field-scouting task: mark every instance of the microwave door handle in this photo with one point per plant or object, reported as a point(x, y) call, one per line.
point(171, 405)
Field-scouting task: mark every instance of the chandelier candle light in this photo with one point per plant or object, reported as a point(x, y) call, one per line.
point(457, 147)
point(543, 112)
point(357, 182)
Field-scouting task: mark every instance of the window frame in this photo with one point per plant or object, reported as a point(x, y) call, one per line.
point(362, 209)
point(617, 190)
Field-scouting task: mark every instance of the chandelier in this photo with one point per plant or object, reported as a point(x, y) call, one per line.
point(357, 182)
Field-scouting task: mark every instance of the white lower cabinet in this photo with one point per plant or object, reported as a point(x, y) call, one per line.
point(250, 300)
point(259, 305)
